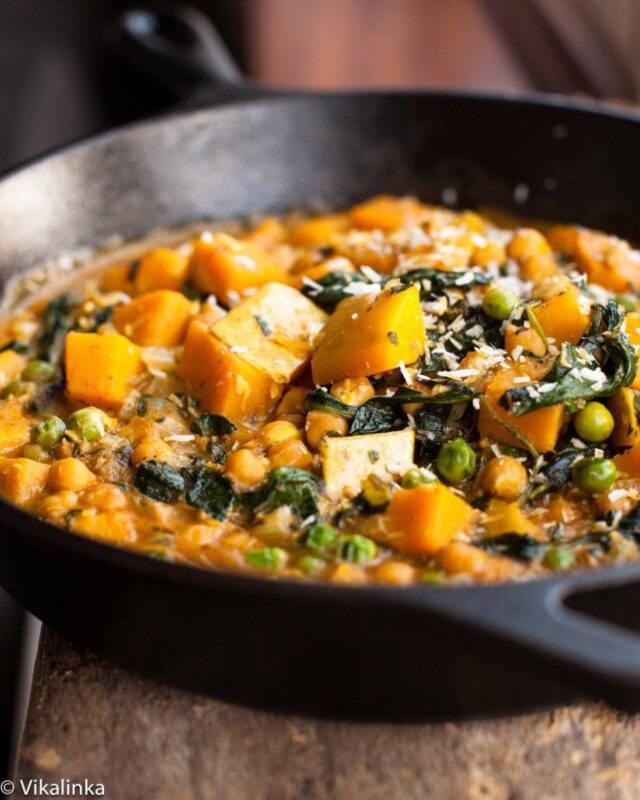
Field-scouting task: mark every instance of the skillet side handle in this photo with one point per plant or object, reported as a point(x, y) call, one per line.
point(179, 49)
point(585, 629)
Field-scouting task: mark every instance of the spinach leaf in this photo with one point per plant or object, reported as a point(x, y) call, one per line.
point(319, 400)
point(558, 471)
point(629, 525)
point(210, 492)
point(329, 290)
point(435, 281)
point(572, 377)
point(518, 546)
point(159, 481)
point(16, 346)
point(56, 322)
point(375, 416)
point(212, 425)
point(286, 486)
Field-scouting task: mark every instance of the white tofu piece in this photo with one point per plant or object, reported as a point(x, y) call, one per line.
point(274, 330)
point(349, 460)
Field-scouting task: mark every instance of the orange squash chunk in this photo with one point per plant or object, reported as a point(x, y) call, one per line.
point(541, 427)
point(11, 365)
point(626, 431)
point(222, 380)
point(607, 261)
point(228, 267)
point(370, 334)
point(22, 479)
point(15, 430)
point(527, 338)
point(319, 230)
point(155, 319)
point(628, 463)
point(162, 268)
point(386, 213)
point(99, 367)
point(631, 326)
point(118, 279)
point(504, 517)
point(561, 317)
point(427, 518)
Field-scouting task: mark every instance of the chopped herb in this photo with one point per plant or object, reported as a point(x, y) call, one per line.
point(159, 481)
point(518, 546)
point(375, 416)
point(393, 337)
point(212, 425)
point(374, 456)
point(263, 324)
point(210, 492)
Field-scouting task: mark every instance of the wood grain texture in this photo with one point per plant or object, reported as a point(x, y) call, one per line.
point(88, 719)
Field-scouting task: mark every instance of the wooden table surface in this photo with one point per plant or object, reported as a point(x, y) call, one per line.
point(91, 720)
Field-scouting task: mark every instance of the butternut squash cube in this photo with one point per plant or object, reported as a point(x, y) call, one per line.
point(349, 460)
point(228, 267)
point(162, 268)
point(22, 479)
point(274, 330)
point(155, 319)
point(386, 213)
point(626, 430)
point(11, 365)
point(222, 380)
point(99, 367)
point(502, 517)
point(527, 338)
point(370, 334)
point(318, 230)
point(117, 278)
point(608, 261)
point(15, 429)
point(541, 428)
point(561, 317)
point(628, 463)
point(631, 326)
point(427, 518)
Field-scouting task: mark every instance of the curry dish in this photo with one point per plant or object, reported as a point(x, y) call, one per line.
point(395, 394)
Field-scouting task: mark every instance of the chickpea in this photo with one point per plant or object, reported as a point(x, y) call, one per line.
point(292, 402)
point(57, 505)
point(104, 497)
point(70, 473)
point(396, 573)
point(460, 558)
point(279, 431)
point(527, 242)
point(353, 391)
point(151, 448)
point(348, 573)
point(291, 453)
point(245, 467)
point(320, 424)
point(504, 477)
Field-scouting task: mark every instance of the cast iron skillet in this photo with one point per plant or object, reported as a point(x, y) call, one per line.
point(373, 653)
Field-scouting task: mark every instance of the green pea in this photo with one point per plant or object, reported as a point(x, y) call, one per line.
point(594, 423)
point(311, 564)
point(558, 558)
point(15, 388)
point(267, 557)
point(628, 303)
point(38, 371)
point(35, 453)
point(594, 475)
point(456, 461)
point(432, 577)
point(49, 432)
point(499, 303)
point(88, 423)
point(320, 536)
point(357, 548)
point(415, 477)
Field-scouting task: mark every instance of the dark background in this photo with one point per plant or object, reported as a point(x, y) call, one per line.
point(58, 82)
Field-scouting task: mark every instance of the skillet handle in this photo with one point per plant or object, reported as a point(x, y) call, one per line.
point(179, 49)
point(585, 629)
